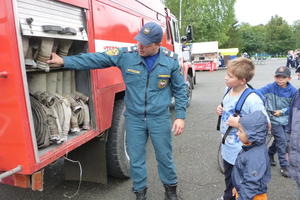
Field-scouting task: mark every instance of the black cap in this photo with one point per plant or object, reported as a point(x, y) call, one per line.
point(283, 71)
point(150, 33)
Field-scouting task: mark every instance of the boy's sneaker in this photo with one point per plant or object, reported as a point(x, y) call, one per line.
point(284, 172)
point(221, 198)
point(272, 160)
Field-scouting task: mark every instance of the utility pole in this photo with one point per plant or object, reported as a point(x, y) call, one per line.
point(180, 4)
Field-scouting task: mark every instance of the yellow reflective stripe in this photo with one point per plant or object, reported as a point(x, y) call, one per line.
point(134, 71)
point(164, 76)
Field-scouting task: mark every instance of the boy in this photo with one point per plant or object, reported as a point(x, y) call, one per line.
point(239, 72)
point(251, 172)
point(278, 96)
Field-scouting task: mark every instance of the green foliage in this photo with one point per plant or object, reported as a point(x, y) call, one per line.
point(296, 34)
point(278, 36)
point(214, 20)
point(211, 19)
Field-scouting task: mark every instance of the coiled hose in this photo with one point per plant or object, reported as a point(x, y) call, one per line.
point(40, 112)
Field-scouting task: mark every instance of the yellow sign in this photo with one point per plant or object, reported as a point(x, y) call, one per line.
point(113, 52)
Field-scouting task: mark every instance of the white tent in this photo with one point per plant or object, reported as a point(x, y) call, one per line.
point(205, 47)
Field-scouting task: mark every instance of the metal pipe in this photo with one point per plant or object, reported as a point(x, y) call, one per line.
point(10, 172)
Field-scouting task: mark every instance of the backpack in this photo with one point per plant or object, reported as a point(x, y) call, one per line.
point(238, 106)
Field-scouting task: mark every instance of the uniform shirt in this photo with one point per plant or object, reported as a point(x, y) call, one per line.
point(150, 60)
point(147, 94)
point(233, 145)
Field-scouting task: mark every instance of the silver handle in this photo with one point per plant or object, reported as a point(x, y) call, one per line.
point(3, 74)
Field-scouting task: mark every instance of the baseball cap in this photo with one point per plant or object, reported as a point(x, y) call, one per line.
point(283, 71)
point(150, 33)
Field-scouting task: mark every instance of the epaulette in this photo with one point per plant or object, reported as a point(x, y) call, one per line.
point(130, 49)
point(170, 54)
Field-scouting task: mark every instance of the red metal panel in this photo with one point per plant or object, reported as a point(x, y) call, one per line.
point(114, 24)
point(79, 3)
point(16, 146)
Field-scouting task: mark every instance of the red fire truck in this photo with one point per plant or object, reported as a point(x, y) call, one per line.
point(47, 113)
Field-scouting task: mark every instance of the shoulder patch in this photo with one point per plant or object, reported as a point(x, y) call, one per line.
point(130, 49)
point(170, 54)
point(113, 52)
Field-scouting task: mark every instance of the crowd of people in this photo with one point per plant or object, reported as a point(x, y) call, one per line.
point(293, 61)
point(247, 160)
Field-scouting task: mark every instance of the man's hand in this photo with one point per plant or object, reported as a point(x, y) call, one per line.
point(178, 126)
point(233, 121)
point(219, 109)
point(55, 60)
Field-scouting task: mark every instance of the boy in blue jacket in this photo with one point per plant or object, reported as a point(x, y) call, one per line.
point(279, 95)
point(251, 172)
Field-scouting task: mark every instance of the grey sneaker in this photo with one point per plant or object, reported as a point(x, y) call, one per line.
point(284, 172)
point(221, 198)
point(272, 160)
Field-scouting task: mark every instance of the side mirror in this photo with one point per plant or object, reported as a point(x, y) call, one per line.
point(189, 33)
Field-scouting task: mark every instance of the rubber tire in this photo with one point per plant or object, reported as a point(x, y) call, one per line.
point(190, 79)
point(220, 160)
point(117, 159)
point(189, 91)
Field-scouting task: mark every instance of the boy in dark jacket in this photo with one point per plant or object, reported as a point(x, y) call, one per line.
point(279, 95)
point(251, 172)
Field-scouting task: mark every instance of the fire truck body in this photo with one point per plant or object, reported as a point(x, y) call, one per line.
point(29, 31)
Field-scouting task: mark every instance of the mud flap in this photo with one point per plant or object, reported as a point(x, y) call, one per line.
point(91, 156)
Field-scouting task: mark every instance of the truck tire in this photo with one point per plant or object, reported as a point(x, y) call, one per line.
point(117, 157)
point(189, 91)
point(191, 81)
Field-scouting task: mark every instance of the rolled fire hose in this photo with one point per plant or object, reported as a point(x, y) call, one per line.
point(59, 83)
point(25, 42)
point(52, 118)
point(40, 112)
point(84, 115)
point(37, 82)
point(44, 54)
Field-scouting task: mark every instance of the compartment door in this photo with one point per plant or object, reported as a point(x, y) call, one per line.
point(16, 143)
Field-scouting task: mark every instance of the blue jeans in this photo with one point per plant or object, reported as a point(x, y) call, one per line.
point(137, 133)
point(279, 144)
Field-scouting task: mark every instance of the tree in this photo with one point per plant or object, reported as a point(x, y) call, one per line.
point(252, 38)
point(296, 34)
point(211, 19)
point(278, 36)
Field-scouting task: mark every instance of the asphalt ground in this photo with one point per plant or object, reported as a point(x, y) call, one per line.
point(195, 153)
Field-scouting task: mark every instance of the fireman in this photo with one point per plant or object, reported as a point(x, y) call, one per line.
point(152, 76)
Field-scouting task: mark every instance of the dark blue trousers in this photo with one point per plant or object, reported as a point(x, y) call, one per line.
point(279, 144)
point(228, 181)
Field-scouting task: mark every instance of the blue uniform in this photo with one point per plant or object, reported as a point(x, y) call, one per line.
point(147, 99)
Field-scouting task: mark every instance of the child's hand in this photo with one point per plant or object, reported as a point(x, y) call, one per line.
point(277, 113)
point(234, 192)
point(219, 109)
point(233, 121)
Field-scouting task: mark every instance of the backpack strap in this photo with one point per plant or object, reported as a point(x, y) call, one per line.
point(238, 108)
point(242, 99)
point(220, 116)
